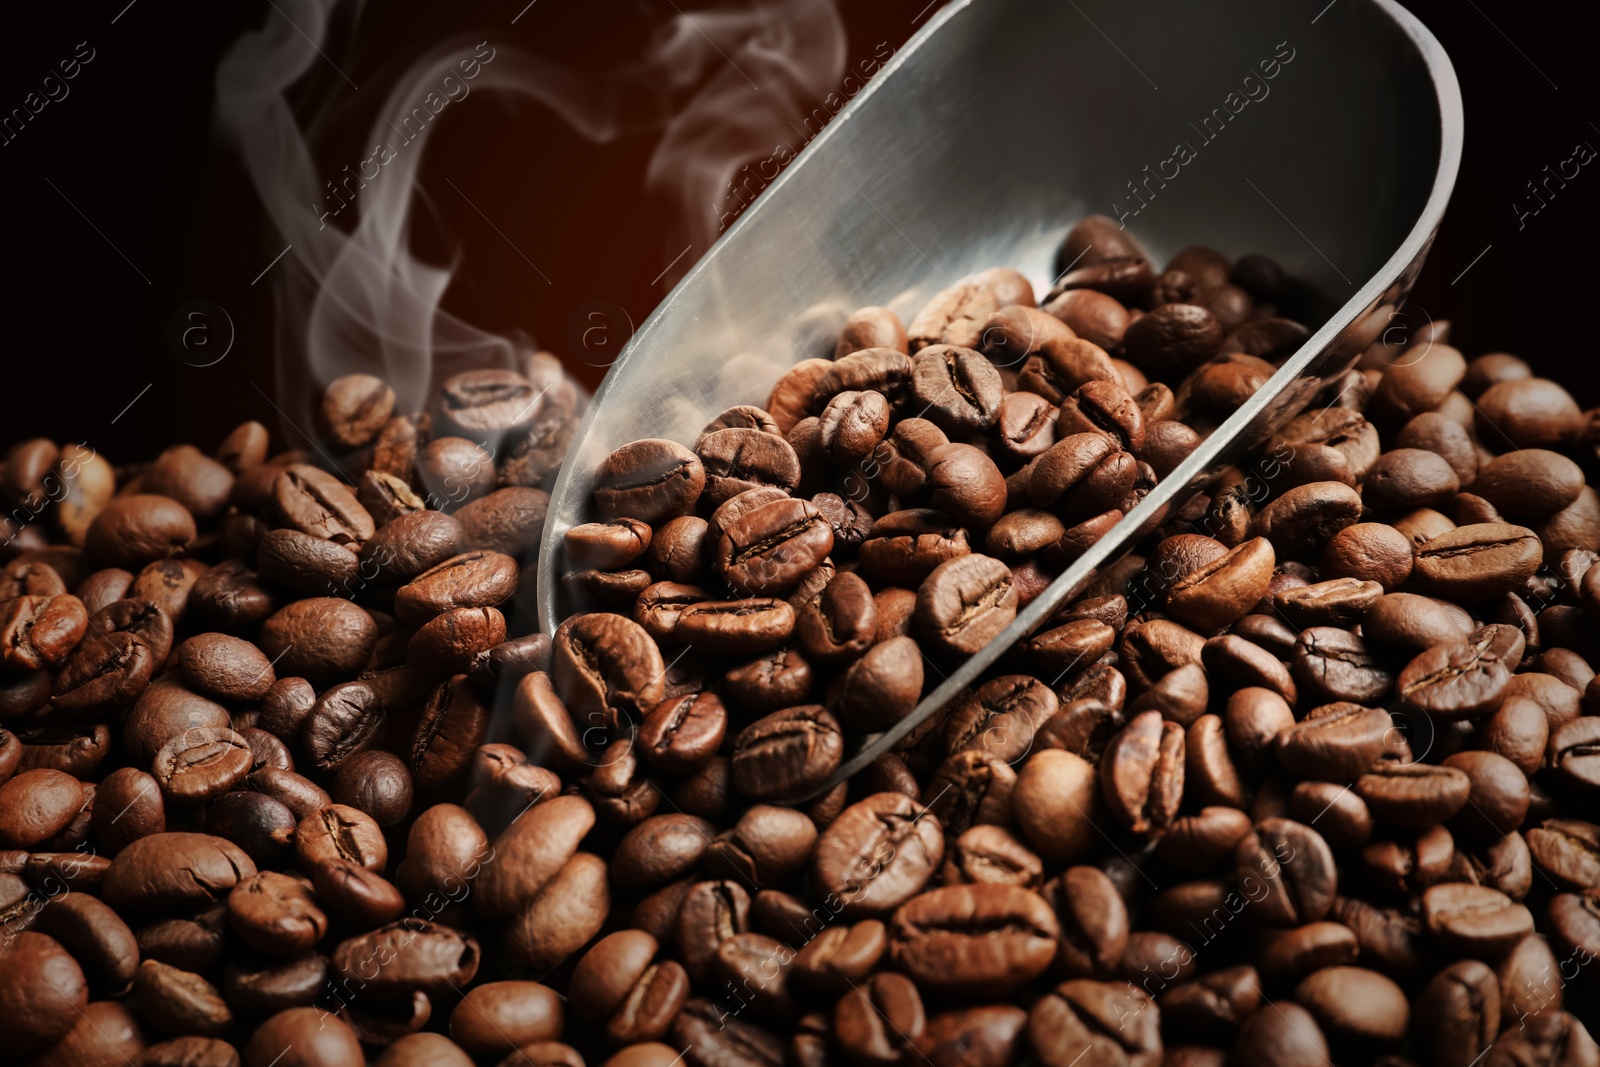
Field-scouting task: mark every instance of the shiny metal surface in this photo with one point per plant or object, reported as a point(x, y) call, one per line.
point(999, 125)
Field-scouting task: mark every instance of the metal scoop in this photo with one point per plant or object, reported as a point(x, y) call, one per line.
point(1328, 140)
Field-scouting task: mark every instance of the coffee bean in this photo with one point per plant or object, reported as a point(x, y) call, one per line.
point(1077, 1020)
point(607, 670)
point(1458, 1013)
point(786, 753)
point(965, 602)
point(172, 871)
point(1556, 1037)
point(736, 627)
point(1142, 773)
point(1335, 742)
point(477, 579)
point(1574, 752)
point(1356, 1003)
point(1474, 920)
point(531, 851)
point(132, 530)
point(421, 956)
point(377, 783)
point(340, 832)
point(981, 940)
point(324, 639)
point(1478, 561)
point(225, 668)
point(36, 805)
point(649, 480)
point(767, 550)
point(1463, 679)
point(1283, 1036)
point(1291, 867)
point(201, 764)
point(343, 721)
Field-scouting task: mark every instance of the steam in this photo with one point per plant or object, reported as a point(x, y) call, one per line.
point(721, 86)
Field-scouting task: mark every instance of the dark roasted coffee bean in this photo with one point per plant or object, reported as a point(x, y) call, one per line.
point(261, 826)
point(1291, 868)
point(680, 734)
point(1080, 1017)
point(344, 721)
point(1473, 920)
point(735, 627)
point(787, 753)
point(649, 480)
point(1142, 773)
point(341, 832)
point(1465, 679)
point(324, 639)
point(132, 530)
point(982, 940)
point(607, 670)
point(1478, 561)
point(965, 602)
point(201, 764)
point(276, 914)
point(1458, 1014)
point(1335, 742)
point(1283, 1036)
point(475, 579)
point(376, 782)
point(1574, 753)
point(453, 724)
point(174, 871)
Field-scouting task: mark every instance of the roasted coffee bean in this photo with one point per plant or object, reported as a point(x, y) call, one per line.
point(965, 602)
point(1473, 920)
point(878, 853)
point(1079, 1018)
point(453, 724)
point(1574, 753)
point(262, 827)
point(341, 832)
point(531, 852)
point(1413, 796)
point(422, 957)
point(343, 721)
point(1301, 521)
point(173, 871)
point(36, 805)
point(1458, 1014)
point(324, 639)
point(1356, 1003)
point(1142, 773)
point(276, 914)
point(735, 627)
point(981, 940)
point(1335, 665)
point(201, 764)
point(1335, 742)
point(607, 670)
point(1478, 561)
point(1291, 868)
point(787, 753)
point(1462, 680)
point(680, 734)
point(132, 530)
point(649, 480)
point(376, 782)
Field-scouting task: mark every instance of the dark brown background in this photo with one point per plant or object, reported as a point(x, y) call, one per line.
point(134, 150)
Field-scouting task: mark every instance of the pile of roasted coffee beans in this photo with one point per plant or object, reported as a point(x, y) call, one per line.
point(1302, 782)
point(244, 704)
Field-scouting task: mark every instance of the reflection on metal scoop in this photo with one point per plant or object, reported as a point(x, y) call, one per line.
point(1328, 141)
